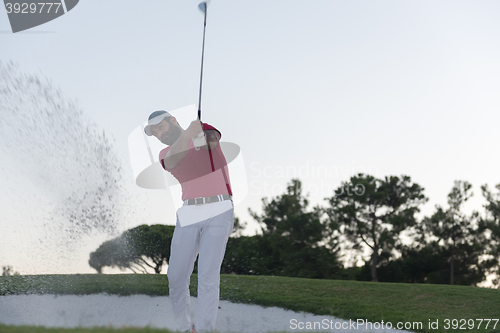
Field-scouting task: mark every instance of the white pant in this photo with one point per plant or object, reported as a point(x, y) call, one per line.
point(207, 238)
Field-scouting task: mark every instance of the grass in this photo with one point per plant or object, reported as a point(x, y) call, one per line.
point(393, 302)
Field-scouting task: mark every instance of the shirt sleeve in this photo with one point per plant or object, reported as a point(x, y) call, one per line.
point(210, 127)
point(163, 152)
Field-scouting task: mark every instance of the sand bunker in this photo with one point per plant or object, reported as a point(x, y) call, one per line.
point(142, 310)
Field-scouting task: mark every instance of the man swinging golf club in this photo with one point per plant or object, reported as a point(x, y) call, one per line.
point(205, 220)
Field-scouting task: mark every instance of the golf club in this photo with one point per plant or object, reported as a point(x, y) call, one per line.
point(203, 7)
point(200, 140)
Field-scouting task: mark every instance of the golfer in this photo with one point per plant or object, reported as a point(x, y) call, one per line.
point(205, 220)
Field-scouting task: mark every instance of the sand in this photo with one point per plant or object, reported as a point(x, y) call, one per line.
point(142, 311)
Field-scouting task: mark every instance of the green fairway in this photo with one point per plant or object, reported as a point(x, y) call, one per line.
point(390, 302)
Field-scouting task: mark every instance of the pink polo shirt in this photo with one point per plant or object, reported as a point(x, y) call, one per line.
point(194, 172)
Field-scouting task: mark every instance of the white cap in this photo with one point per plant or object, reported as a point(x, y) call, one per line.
point(154, 119)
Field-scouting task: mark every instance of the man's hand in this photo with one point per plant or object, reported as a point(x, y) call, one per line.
point(180, 148)
point(193, 129)
point(213, 138)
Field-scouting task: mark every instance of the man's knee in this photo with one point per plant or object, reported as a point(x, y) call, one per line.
point(209, 282)
point(177, 276)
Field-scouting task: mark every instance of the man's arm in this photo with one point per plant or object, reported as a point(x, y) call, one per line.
point(180, 148)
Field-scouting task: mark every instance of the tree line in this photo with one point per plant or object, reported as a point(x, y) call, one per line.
point(9, 271)
point(364, 214)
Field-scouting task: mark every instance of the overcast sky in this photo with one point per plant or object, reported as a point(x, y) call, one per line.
point(381, 87)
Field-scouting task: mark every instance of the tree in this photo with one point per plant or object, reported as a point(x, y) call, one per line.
point(238, 227)
point(274, 255)
point(8, 271)
point(291, 243)
point(150, 242)
point(463, 242)
point(287, 216)
point(112, 253)
point(249, 255)
point(134, 247)
point(491, 222)
point(429, 264)
point(373, 212)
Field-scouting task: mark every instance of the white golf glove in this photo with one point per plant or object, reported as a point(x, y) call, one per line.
point(199, 141)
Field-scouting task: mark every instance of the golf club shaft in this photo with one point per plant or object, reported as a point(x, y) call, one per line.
point(202, 56)
point(199, 101)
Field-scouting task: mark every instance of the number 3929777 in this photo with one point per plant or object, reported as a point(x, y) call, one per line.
point(32, 8)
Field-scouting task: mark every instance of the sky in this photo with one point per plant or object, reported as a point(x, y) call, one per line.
point(317, 90)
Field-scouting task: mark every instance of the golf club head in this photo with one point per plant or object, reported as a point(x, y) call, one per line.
point(203, 6)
